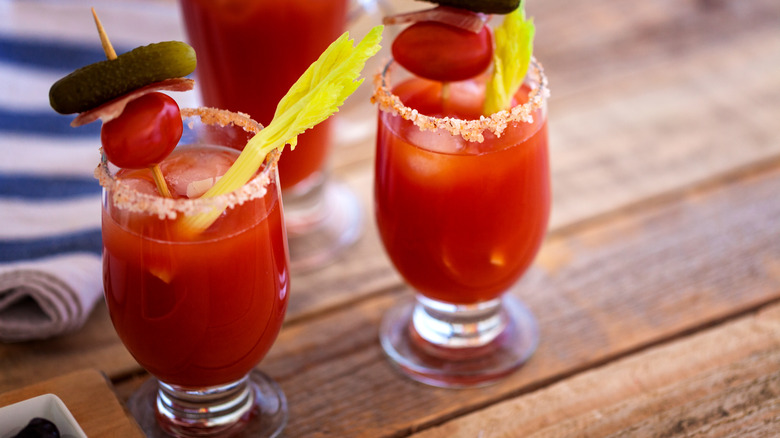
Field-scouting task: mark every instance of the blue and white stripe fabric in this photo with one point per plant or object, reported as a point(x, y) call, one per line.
point(50, 242)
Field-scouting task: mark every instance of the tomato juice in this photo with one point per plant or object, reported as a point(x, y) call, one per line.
point(251, 51)
point(461, 221)
point(203, 310)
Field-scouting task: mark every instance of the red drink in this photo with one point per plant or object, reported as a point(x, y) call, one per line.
point(251, 51)
point(197, 285)
point(460, 220)
point(462, 198)
point(203, 310)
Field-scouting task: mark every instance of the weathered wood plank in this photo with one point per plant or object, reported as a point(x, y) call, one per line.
point(600, 292)
point(720, 382)
point(668, 125)
point(651, 96)
point(751, 409)
point(96, 345)
point(646, 99)
point(89, 397)
point(599, 50)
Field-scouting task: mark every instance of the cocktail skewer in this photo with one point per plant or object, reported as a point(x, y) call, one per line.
point(159, 179)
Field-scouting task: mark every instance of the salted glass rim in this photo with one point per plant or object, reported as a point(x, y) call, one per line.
point(470, 130)
point(125, 197)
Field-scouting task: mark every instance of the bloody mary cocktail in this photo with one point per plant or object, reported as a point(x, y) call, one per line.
point(251, 51)
point(249, 54)
point(462, 202)
point(460, 220)
point(203, 311)
point(198, 307)
point(195, 254)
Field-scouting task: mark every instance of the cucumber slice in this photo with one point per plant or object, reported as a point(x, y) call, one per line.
point(485, 6)
point(95, 84)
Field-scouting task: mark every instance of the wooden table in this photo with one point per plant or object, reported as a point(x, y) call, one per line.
point(657, 289)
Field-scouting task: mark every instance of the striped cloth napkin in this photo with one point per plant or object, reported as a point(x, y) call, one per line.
point(50, 242)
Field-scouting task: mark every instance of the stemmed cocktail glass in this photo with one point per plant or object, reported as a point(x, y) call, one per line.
point(199, 307)
point(249, 54)
point(461, 211)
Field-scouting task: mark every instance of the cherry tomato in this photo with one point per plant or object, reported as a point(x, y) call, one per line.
point(144, 134)
point(441, 52)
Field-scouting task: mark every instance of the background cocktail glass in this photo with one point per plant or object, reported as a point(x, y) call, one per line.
point(198, 310)
point(461, 221)
point(249, 54)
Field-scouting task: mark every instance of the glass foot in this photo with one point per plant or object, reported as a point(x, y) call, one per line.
point(456, 346)
point(266, 416)
point(321, 224)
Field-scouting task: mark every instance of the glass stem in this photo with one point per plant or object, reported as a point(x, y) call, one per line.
point(458, 326)
point(206, 409)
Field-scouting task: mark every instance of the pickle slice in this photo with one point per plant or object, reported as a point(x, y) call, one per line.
point(95, 84)
point(485, 6)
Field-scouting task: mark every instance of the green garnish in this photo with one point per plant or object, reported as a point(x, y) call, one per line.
point(511, 58)
point(95, 84)
point(317, 95)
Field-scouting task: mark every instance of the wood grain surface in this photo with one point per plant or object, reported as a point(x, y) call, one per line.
point(720, 382)
point(89, 397)
point(601, 292)
point(657, 289)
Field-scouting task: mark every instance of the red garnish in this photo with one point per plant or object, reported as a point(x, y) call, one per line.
point(460, 18)
point(441, 52)
point(144, 134)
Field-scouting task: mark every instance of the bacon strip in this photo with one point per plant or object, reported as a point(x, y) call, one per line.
point(113, 108)
point(461, 18)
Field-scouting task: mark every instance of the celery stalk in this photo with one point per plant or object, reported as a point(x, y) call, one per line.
point(511, 59)
point(317, 95)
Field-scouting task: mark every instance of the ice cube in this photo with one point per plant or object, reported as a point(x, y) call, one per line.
point(139, 183)
point(197, 188)
point(192, 165)
point(440, 141)
point(465, 99)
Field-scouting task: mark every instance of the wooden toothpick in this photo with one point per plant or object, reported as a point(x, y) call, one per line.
point(107, 47)
point(159, 179)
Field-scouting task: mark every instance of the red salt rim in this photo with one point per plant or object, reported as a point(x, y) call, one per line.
point(113, 108)
point(470, 130)
point(460, 18)
point(127, 198)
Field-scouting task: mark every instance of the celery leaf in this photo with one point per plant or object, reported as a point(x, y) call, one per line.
point(511, 59)
point(317, 95)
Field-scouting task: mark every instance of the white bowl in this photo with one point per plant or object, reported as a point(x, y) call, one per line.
point(13, 418)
